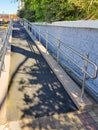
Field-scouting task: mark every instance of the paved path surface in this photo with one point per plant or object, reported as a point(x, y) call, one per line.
point(36, 99)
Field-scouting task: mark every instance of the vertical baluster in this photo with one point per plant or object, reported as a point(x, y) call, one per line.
point(3, 66)
point(84, 75)
point(39, 34)
point(46, 41)
point(34, 32)
point(31, 28)
point(58, 50)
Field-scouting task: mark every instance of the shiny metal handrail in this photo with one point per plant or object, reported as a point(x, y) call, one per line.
point(5, 43)
point(59, 43)
point(77, 53)
point(74, 51)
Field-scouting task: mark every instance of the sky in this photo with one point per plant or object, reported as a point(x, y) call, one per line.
point(8, 7)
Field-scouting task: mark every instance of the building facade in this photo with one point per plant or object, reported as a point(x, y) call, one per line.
point(7, 17)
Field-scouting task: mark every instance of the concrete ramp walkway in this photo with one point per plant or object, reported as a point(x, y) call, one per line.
point(36, 99)
point(34, 90)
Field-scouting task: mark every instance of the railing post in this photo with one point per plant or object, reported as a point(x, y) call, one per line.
point(34, 32)
point(39, 34)
point(3, 67)
point(46, 41)
point(58, 51)
point(27, 26)
point(30, 28)
point(84, 75)
point(23, 23)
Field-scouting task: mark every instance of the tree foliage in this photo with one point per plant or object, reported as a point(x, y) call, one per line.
point(59, 10)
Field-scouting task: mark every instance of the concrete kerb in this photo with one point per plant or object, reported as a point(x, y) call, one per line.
point(70, 86)
point(4, 80)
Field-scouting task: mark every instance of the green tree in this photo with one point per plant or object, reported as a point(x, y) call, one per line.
point(58, 10)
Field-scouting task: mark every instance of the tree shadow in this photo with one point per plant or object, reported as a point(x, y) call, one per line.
point(20, 32)
point(46, 123)
point(56, 122)
point(42, 93)
point(47, 96)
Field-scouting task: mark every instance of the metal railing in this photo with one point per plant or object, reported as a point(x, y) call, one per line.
point(59, 45)
point(5, 41)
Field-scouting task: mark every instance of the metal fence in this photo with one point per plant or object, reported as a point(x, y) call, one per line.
point(5, 41)
point(59, 50)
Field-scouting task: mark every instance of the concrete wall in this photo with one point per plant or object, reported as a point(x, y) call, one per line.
point(82, 36)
